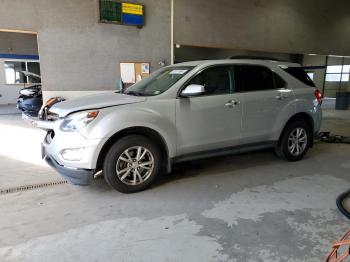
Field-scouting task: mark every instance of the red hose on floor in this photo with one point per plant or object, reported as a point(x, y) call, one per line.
point(335, 255)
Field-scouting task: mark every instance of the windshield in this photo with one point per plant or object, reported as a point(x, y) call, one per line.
point(158, 82)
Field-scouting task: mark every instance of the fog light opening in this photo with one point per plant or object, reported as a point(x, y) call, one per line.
point(73, 154)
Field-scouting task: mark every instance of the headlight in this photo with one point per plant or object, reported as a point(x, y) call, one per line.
point(78, 121)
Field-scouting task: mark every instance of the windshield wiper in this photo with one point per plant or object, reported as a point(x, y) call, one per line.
point(133, 93)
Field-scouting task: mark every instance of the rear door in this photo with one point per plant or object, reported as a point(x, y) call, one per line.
point(264, 96)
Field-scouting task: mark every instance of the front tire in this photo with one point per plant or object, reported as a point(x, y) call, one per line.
point(132, 164)
point(295, 141)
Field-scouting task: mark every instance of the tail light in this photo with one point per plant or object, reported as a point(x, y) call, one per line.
point(319, 96)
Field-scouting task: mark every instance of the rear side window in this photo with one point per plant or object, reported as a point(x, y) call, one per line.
point(253, 78)
point(299, 74)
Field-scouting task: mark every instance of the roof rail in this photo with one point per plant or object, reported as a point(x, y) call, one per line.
point(256, 58)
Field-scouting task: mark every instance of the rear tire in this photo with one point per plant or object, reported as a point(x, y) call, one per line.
point(295, 141)
point(132, 164)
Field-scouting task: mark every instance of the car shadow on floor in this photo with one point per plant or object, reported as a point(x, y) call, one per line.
point(207, 167)
point(218, 165)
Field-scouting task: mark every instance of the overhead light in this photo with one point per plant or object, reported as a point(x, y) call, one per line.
point(311, 54)
point(337, 56)
point(178, 45)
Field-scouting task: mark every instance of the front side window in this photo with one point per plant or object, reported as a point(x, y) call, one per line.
point(158, 82)
point(253, 78)
point(216, 81)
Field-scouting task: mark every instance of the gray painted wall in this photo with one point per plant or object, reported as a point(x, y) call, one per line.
point(15, 43)
point(77, 52)
point(290, 26)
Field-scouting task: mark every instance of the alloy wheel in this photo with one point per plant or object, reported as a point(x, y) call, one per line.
point(135, 165)
point(297, 141)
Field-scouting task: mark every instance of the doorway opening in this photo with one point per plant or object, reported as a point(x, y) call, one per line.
point(19, 66)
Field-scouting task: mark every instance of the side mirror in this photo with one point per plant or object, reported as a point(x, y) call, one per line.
point(192, 90)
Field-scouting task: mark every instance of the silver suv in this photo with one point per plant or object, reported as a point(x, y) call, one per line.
point(183, 112)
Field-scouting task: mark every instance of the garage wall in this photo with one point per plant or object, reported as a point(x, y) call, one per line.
point(290, 26)
point(15, 43)
point(77, 52)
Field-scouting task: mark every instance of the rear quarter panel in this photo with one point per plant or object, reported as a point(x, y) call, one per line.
point(304, 101)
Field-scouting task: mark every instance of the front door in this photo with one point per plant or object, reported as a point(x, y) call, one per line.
point(211, 121)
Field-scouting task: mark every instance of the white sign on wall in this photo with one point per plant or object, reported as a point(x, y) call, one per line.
point(127, 72)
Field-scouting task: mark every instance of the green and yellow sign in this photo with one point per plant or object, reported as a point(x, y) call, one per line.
point(133, 9)
point(123, 13)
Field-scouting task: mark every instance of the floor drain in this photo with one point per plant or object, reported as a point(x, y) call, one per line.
point(30, 187)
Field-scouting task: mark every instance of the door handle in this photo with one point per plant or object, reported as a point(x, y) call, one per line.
point(280, 96)
point(232, 103)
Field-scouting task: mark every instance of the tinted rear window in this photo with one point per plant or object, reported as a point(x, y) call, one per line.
point(299, 74)
point(253, 78)
point(279, 82)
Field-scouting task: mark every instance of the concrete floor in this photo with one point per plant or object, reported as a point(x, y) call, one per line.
point(251, 207)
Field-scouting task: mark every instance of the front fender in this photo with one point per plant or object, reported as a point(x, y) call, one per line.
point(113, 120)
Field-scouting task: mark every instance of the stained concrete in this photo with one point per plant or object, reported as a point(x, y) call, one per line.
point(8, 109)
point(251, 207)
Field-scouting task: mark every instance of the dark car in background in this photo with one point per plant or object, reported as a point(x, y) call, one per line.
point(30, 99)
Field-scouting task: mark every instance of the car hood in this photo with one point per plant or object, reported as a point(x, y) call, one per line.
point(96, 101)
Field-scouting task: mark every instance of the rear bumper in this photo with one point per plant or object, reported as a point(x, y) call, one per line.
point(75, 176)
